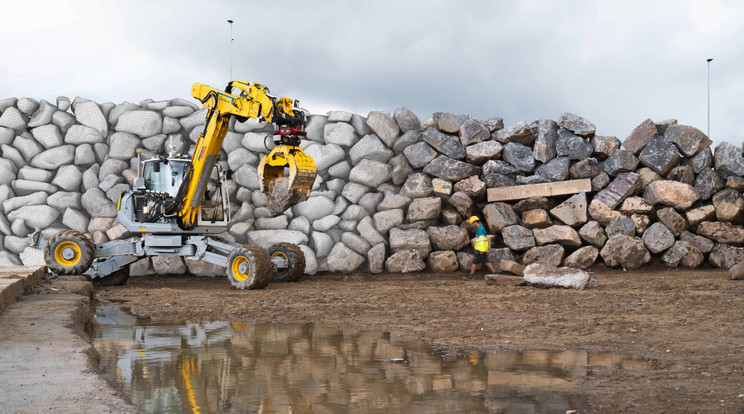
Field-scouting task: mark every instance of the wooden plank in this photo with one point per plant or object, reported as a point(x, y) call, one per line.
point(518, 192)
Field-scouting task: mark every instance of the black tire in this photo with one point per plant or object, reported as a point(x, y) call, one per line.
point(69, 252)
point(295, 259)
point(117, 278)
point(257, 272)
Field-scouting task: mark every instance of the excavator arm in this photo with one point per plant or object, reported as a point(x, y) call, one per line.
point(250, 100)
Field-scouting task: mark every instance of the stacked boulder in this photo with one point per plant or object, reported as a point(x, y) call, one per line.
point(392, 193)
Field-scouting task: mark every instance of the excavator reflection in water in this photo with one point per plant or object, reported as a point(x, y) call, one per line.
point(169, 214)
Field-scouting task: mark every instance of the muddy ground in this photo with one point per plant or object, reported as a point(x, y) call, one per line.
point(688, 323)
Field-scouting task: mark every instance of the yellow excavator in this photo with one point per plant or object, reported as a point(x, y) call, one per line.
point(167, 210)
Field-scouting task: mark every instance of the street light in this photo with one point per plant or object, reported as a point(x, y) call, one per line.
point(709, 59)
point(231, 42)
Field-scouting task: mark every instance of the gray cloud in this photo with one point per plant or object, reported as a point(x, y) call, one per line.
point(615, 63)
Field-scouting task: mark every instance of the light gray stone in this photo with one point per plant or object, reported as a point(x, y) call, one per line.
point(388, 219)
point(94, 201)
point(604, 146)
point(405, 261)
point(25, 187)
point(90, 115)
point(626, 252)
point(499, 215)
point(314, 208)
point(371, 147)
point(689, 140)
point(340, 133)
point(419, 154)
point(518, 238)
point(326, 223)
point(168, 265)
point(342, 259)
point(355, 243)
point(68, 178)
point(540, 274)
point(450, 169)
point(406, 119)
point(268, 238)
point(384, 126)
point(424, 209)
point(143, 123)
point(84, 155)
point(572, 146)
point(658, 238)
point(13, 118)
point(40, 216)
point(27, 146)
point(52, 159)
point(547, 135)
point(35, 174)
point(577, 124)
point(519, 156)
point(272, 223)
point(354, 191)
point(27, 105)
point(551, 254)
point(75, 220)
point(409, 138)
point(63, 200)
point(370, 172)
point(48, 135)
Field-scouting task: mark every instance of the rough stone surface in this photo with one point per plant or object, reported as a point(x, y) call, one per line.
point(520, 134)
point(554, 170)
point(572, 212)
point(729, 205)
point(683, 174)
point(424, 209)
point(519, 156)
point(673, 220)
point(703, 244)
point(622, 187)
point(412, 239)
point(450, 169)
point(448, 122)
point(406, 119)
point(483, 151)
point(448, 237)
point(671, 193)
point(683, 253)
point(626, 252)
point(443, 261)
point(504, 280)
point(725, 256)
point(343, 259)
point(537, 218)
point(551, 254)
point(547, 135)
point(577, 124)
point(518, 238)
point(604, 146)
point(587, 168)
point(462, 204)
point(689, 140)
point(721, 232)
point(660, 155)
point(384, 126)
point(729, 160)
point(499, 215)
point(405, 261)
point(370, 172)
point(641, 136)
point(736, 272)
point(386, 220)
point(703, 159)
point(582, 258)
point(572, 146)
point(620, 161)
point(658, 238)
point(540, 274)
point(707, 183)
point(557, 234)
point(376, 258)
point(473, 131)
point(419, 154)
point(445, 144)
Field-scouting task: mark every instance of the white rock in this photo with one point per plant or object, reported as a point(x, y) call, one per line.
point(123, 145)
point(48, 135)
point(28, 147)
point(24, 187)
point(68, 178)
point(43, 115)
point(340, 133)
point(52, 159)
point(370, 147)
point(35, 174)
point(314, 208)
point(339, 116)
point(354, 191)
point(90, 115)
point(257, 142)
point(311, 262)
point(31, 256)
point(75, 220)
point(247, 177)
point(168, 265)
point(194, 121)
point(12, 118)
point(326, 155)
point(81, 134)
point(300, 224)
point(41, 216)
point(343, 259)
point(315, 127)
point(541, 274)
point(326, 223)
point(323, 243)
point(63, 103)
point(84, 155)
point(340, 170)
point(144, 123)
point(27, 105)
point(267, 238)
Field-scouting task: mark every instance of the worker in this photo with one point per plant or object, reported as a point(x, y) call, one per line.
point(481, 248)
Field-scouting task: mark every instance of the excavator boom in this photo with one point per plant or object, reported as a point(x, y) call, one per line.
point(251, 100)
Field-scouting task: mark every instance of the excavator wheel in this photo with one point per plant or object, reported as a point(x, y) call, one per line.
point(68, 253)
point(249, 267)
point(117, 278)
point(295, 260)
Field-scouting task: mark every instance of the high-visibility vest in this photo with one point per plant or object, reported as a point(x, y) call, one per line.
point(481, 243)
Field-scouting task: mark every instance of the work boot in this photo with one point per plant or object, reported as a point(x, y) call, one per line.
point(468, 276)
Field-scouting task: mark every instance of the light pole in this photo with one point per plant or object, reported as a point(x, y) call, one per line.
point(709, 59)
point(231, 39)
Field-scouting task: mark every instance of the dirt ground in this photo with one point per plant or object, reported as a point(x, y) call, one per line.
point(689, 324)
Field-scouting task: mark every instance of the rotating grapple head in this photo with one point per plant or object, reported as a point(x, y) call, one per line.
point(282, 191)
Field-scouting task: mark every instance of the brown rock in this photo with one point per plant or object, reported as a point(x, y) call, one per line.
point(504, 280)
point(571, 212)
point(427, 208)
point(533, 203)
point(499, 215)
point(537, 218)
point(512, 267)
point(683, 253)
point(463, 204)
point(442, 188)
point(648, 176)
point(550, 254)
point(641, 136)
point(443, 261)
point(735, 182)
point(683, 174)
point(641, 222)
point(703, 244)
point(582, 258)
point(593, 233)
point(604, 146)
point(448, 238)
point(671, 193)
point(472, 186)
point(600, 212)
point(729, 205)
point(698, 215)
point(626, 252)
point(450, 216)
point(736, 272)
point(637, 205)
point(689, 140)
point(725, 256)
point(673, 220)
point(624, 226)
point(721, 232)
point(563, 235)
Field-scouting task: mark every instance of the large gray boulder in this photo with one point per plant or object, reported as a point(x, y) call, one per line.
point(729, 205)
point(123, 145)
point(268, 238)
point(314, 208)
point(370, 146)
point(326, 155)
point(689, 140)
point(499, 215)
point(388, 219)
point(577, 124)
point(406, 119)
point(448, 122)
point(472, 132)
point(573, 211)
point(48, 135)
point(405, 261)
point(729, 160)
point(641, 136)
point(40, 216)
point(143, 123)
point(658, 238)
point(81, 134)
point(547, 135)
point(68, 178)
point(370, 172)
point(367, 230)
point(413, 239)
point(554, 170)
point(518, 238)
point(52, 159)
point(340, 133)
point(620, 161)
point(419, 155)
point(519, 156)
point(660, 155)
point(572, 146)
point(384, 126)
point(450, 169)
point(448, 145)
point(443, 261)
point(520, 134)
point(90, 115)
point(551, 254)
point(448, 237)
point(427, 208)
point(707, 183)
point(626, 252)
point(356, 243)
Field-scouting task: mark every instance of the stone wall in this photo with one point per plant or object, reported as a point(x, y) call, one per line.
point(392, 192)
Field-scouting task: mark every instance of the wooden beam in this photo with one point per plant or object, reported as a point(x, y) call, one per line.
point(518, 192)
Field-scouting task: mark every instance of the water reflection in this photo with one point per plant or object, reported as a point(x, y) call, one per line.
point(297, 368)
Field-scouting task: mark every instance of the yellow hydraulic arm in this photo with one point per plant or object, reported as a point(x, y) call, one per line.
point(252, 100)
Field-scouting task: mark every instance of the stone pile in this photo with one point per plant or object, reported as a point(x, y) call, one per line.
point(392, 193)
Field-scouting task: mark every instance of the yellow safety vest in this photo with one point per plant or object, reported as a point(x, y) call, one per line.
point(481, 243)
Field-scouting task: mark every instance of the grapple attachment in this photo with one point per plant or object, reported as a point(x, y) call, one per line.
point(284, 192)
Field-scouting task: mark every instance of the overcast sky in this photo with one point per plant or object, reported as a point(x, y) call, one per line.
point(615, 63)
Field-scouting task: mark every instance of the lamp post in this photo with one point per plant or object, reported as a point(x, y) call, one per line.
point(709, 59)
point(231, 42)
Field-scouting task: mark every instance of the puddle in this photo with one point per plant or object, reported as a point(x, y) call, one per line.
point(219, 367)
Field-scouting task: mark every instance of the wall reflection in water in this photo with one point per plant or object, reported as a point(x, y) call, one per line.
point(296, 368)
